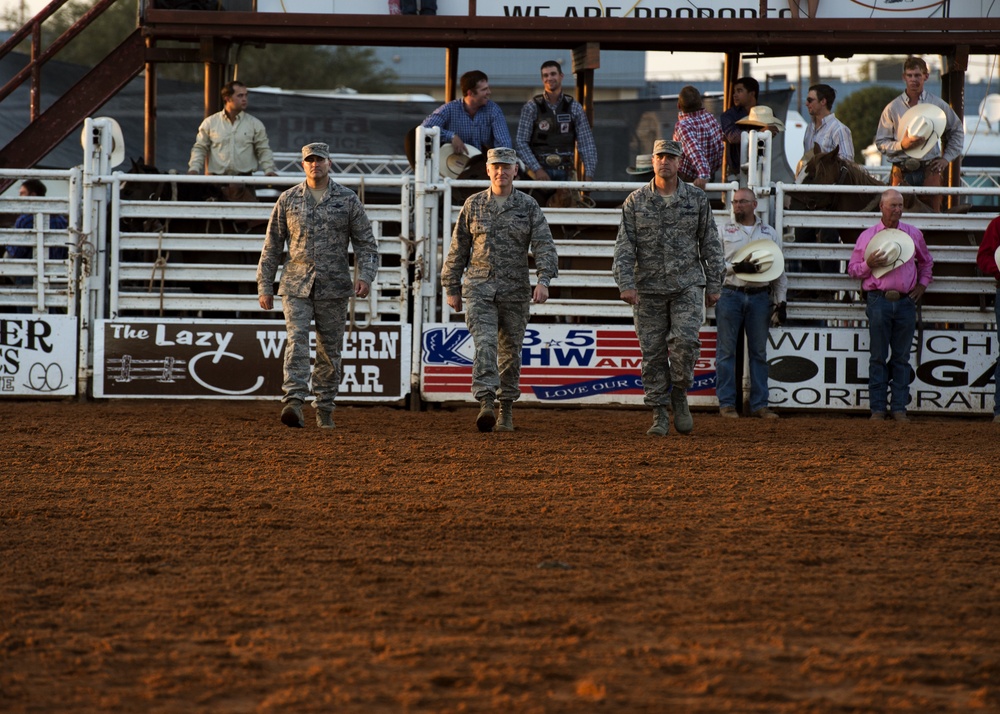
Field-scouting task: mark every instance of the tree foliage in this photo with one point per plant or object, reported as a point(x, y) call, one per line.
point(285, 66)
point(861, 110)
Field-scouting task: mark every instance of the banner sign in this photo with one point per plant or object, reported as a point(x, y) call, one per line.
point(571, 364)
point(230, 359)
point(38, 355)
point(827, 368)
point(683, 9)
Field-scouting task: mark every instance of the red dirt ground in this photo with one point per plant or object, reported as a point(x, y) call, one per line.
point(199, 556)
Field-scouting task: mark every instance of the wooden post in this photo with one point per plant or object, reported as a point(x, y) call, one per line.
point(450, 73)
point(731, 72)
point(149, 149)
point(953, 92)
point(586, 59)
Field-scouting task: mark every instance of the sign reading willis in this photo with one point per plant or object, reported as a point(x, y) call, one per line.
point(221, 359)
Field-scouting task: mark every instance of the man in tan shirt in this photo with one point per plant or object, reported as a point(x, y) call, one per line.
point(232, 142)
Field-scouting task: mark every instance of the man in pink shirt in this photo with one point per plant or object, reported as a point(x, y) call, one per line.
point(892, 299)
point(987, 262)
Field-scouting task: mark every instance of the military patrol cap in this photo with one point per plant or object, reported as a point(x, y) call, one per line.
point(665, 146)
point(502, 155)
point(316, 149)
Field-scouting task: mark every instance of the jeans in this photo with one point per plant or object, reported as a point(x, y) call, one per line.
point(996, 371)
point(752, 312)
point(891, 326)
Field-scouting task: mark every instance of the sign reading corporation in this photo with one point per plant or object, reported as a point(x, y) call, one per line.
point(828, 369)
point(229, 359)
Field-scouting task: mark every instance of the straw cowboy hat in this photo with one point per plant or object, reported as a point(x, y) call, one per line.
point(766, 255)
point(894, 244)
point(996, 256)
point(926, 121)
point(762, 117)
point(453, 164)
point(643, 165)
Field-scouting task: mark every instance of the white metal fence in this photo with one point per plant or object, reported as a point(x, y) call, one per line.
point(198, 259)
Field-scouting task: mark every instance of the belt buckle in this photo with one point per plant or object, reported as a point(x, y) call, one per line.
point(553, 160)
point(911, 164)
point(892, 295)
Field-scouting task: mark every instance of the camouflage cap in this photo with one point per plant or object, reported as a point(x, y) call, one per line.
point(665, 146)
point(316, 149)
point(503, 155)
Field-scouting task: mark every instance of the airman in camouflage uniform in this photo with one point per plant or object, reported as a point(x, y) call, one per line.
point(668, 264)
point(490, 244)
point(314, 221)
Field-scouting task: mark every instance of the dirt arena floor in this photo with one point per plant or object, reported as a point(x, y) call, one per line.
point(199, 556)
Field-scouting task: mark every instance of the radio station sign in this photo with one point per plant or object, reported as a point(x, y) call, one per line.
point(827, 368)
point(588, 364)
point(38, 355)
point(228, 359)
point(929, 10)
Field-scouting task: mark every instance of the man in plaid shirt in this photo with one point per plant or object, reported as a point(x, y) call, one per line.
point(700, 137)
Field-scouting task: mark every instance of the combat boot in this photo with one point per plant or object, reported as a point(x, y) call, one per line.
point(683, 422)
point(487, 416)
point(324, 419)
point(661, 422)
point(291, 415)
point(506, 421)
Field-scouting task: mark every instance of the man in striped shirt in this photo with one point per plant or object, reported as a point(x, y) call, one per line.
point(826, 129)
point(700, 137)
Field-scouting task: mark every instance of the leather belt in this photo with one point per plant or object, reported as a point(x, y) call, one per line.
point(890, 295)
point(910, 165)
point(747, 289)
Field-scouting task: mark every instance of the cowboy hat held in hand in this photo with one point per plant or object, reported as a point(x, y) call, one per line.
point(765, 255)
point(762, 117)
point(896, 245)
point(926, 122)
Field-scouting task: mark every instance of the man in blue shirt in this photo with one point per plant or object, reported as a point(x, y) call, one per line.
point(34, 187)
point(473, 119)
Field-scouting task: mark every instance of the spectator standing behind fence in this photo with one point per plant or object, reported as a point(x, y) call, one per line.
point(750, 297)
point(986, 259)
point(313, 223)
point(668, 265)
point(892, 261)
point(490, 245)
point(26, 221)
point(910, 133)
point(700, 138)
point(232, 142)
point(552, 124)
point(745, 92)
point(474, 119)
point(828, 133)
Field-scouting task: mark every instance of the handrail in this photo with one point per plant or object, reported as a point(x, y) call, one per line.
point(39, 58)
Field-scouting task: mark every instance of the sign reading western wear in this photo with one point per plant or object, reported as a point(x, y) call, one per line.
point(559, 363)
point(827, 368)
point(38, 355)
point(228, 359)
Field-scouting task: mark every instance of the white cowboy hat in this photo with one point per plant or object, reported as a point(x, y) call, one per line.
point(117, 140)
point(453, 164)
point(768, 257)
point(895, 244)
point(926, 121)
point(643, 165)
point(996, 256)
point(763, 117)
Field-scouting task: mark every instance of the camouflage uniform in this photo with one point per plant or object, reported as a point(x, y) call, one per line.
point(490, 244)
point(316, 282)
point(668, 249)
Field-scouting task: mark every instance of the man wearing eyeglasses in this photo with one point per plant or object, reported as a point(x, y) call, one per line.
point(748, 305)
point(314, 222)
point(824, 133)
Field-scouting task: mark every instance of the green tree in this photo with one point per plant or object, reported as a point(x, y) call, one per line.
point(860, 111)
point(286, 66)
